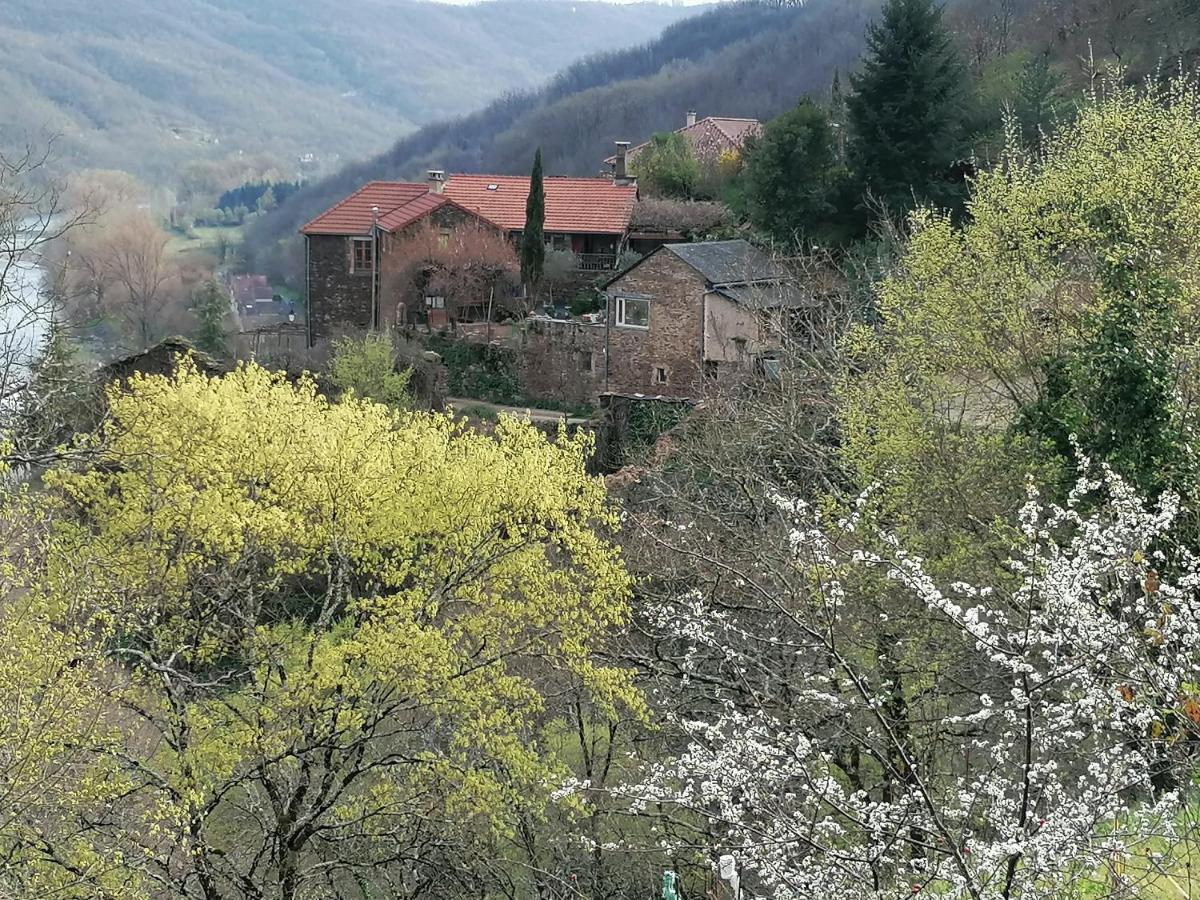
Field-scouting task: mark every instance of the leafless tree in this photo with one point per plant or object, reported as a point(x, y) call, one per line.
point(33, 216)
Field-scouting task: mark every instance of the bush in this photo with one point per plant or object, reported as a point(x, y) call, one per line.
point(479, 372)
point(366, 366)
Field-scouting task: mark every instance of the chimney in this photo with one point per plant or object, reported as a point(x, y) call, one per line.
point(621, 169)
point(691, 118)
point(437, 181)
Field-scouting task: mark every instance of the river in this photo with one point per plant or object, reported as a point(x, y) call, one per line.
point(24, 319)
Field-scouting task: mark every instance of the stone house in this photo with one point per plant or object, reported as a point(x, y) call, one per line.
point(709, 138)
point(691, 313)
point(350, 251)
point(353, 248)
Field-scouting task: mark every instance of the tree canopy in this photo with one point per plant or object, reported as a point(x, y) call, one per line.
point(533, 238)
point(906, 114)
point(318, 636)
point(792, 180)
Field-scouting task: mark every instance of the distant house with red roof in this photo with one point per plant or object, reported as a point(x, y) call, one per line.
point(348, 247)
point(709, 138)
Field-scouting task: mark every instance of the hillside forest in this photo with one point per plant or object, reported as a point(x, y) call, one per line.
point(152, 87)
point(914, 612)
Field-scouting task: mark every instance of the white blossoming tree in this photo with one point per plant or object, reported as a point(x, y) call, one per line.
point(1032, 740)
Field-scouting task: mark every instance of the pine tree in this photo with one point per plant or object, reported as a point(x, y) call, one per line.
point(837, 114)
point(533, 239)
point(907, 113)
point(210, 305)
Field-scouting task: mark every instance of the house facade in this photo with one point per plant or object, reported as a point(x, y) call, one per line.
point(688, 314)
point(355, 249)
point(352, 250)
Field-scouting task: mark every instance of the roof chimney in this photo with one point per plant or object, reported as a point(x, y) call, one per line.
point(437, 181)
point(691, 118)
point(621, 169)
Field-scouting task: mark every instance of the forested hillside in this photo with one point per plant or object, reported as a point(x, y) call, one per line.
point(749, 59)
point(148, 85)
point(737, 60)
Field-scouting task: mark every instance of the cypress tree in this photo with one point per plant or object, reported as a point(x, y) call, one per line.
point(907, 113)
point(533, 238)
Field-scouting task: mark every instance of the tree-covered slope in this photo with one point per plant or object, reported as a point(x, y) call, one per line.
point(735, 60)
point(147, 85)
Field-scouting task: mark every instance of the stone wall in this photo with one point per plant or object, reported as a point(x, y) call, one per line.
point(337, 300)
point(340, 300)
point(673, 341)
point(562, 362)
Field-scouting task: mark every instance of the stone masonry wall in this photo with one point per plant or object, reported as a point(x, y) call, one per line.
point(562, 362)
point(337, 300)
point(675, 339)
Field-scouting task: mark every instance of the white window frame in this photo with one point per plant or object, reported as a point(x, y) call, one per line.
point(620, 313)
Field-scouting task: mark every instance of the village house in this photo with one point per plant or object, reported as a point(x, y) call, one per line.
point(710, 138)
point(353, 247)
point(690, 313)
point(253, 299)
point(685, 319)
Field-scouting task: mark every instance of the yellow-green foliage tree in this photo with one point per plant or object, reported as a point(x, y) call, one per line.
point(972, 315)
point(332, 632)
point(367, 366)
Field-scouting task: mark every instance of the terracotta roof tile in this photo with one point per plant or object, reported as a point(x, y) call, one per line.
point(354, 214)
point(573, 205)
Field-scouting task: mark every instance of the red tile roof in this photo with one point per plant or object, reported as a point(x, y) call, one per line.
point(248, 288)
point(573, 205)
point(411, 211)
point(354, 215)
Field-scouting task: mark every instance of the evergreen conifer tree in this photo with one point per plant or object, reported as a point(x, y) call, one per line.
point(791, 176)
point(211, 305)
point(58, 399)
point(533, 239)
point(908, 109)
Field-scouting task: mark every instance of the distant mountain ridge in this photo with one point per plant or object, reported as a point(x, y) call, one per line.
point(148, 85)
point(740, 59)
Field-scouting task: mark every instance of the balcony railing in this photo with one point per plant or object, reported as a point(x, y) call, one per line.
point(596, 262)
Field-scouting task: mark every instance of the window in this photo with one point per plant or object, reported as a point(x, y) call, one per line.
point(660, 375)
point(363, 260)
point(435, 302)
point(586, 362)
point(633, 313)
point(444, 238)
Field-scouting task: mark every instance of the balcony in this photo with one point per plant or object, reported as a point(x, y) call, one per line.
point(596, 262)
